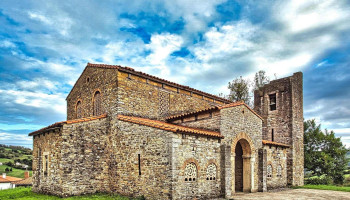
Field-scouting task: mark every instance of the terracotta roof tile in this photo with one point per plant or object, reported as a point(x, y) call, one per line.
point(60, 124)
point(267, 142)
point(239, 103)
point(2, 180)
point(168, 127)
point(12, 179)
point(132, 71)
point(27, 181)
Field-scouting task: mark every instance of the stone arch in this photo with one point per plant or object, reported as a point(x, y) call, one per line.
point(190, 162)
point(78, 109)
point(212, 162)
point(96, 102)
point(243, 163)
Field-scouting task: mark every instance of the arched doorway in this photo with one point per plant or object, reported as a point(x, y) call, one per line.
point(243, 166)
point(239, 168)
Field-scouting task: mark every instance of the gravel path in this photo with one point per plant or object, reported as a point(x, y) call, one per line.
point(295, 194)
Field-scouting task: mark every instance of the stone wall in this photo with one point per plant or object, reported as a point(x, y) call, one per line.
point(276, 156)
point(83, 157)
point(202, 151)
point(240, 124)
point(91, 80)
point(207, 120)
point(50, 145)
point(146, 98)
point(150, 176)
point(76, 159)
point(285, 124)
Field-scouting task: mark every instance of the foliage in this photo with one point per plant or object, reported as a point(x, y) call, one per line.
point(16, 154)
point(239, 90)
point(260, 79)
point(26, 194)
point(323, 152)
point(325, 187)
point(15, 172)
point(319, 180)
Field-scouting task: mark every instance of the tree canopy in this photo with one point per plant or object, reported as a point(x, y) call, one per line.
point(323, 152)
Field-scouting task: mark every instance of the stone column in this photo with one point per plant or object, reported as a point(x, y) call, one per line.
point(246, 174)
point(228, 175)
point(252, 162)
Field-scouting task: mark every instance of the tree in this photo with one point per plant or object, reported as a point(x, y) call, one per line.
point(323, 152)
point(260, 79)
point(239, 90)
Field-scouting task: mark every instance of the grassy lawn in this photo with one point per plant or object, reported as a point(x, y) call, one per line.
point(326, 187)
point(15, 172)
point(26, 194)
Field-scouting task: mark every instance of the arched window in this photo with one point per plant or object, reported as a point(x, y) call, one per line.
point(279, 171)
point(97, 104)
point(78, 110)
point(269, 171)
point(190, 172)
point(211, 172)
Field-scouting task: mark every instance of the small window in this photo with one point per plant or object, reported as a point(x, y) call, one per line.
point(139, 158)
point(190, 172)
point(97, 104)
point(272, 101)
point(272, 135)
point(279, 171)
point(87, 79)
point(46, 164)
point(78, 110)
point(269, 171)
point(211, 172)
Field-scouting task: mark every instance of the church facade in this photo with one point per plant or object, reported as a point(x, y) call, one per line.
point(135, 134)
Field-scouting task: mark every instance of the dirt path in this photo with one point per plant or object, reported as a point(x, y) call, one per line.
point(295, 194)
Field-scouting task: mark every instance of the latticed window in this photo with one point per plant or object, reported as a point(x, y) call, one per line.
point(97, 104)
point(269, 171)
point(78, 110)
point(211, 172)
point(279, 171)
point(190, 172)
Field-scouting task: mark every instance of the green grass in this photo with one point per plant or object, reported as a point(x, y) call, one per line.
point(26, 194)
point(3, 160)
point(19, 173)
point(326, 187)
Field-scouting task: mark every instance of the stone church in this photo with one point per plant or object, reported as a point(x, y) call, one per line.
point(135, 134)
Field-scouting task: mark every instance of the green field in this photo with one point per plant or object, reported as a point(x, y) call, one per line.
point(19, 173)
point(26, 194)
point(326, 187)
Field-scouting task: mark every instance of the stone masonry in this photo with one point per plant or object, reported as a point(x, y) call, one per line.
point(134, 134)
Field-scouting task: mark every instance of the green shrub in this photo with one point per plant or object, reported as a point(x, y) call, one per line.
point(319, 180)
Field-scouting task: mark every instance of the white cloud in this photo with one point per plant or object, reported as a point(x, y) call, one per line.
point(35, 99)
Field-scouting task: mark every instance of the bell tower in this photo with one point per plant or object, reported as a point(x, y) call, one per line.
point(280, 103)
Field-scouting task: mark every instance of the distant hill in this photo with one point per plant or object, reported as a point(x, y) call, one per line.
point(348, 156)
point(14, 160)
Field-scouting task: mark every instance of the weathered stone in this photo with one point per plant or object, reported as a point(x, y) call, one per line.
point(105, 154)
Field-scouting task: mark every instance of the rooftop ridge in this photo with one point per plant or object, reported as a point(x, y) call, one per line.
point(132, 70)
point(60, 124)
point(168, 126)
point(238, 103)
point(267, 142)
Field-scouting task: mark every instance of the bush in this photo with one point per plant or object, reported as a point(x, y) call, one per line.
point(319, 180)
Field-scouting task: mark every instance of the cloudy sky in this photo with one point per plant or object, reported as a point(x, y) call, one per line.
point(45, 45)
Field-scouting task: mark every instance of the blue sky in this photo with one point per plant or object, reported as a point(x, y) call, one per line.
point(45, 45)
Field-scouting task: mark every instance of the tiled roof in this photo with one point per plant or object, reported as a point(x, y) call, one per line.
point(267, 142)
point(27, 181)
point(60, 124)
point(214, 108)
point(151, 77)
point(9, 179)
point(168, 127)
point(2, 180)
